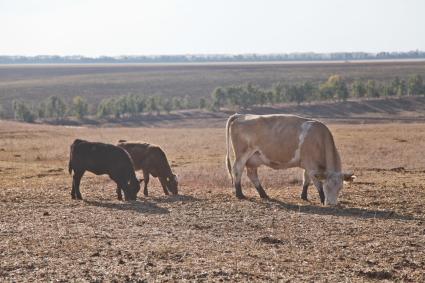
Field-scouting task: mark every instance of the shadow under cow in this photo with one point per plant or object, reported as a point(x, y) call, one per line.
point(136, 206)
point(342, 211)
point(175, 198)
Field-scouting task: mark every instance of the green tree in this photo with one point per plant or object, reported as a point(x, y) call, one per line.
point(358, 89)
point(167, 105)
point(140, 102)
point(387, 90)
point(202, 103)
point(278, 93)
point(23, 112)
point(415, 85)
point(177, 103)
point(308, 90)
point(55, 107)
point(80, 107)
point(152, 105)
point(372, 89)
point(106, 107)
point(334, 87)
point(218, 98)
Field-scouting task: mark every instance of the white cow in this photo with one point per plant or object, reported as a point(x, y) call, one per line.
point(285, 141)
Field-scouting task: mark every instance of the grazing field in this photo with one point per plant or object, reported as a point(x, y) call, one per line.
point(37, 82)
point(205, 233)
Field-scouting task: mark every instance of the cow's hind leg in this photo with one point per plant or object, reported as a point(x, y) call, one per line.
point(237, 171)
point(253, 176)
point(146, 179)
point(306, 183)
point(76, 179)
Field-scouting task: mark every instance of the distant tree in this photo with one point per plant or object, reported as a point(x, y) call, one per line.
point(186, 102)
point(177, 103)
point(41, 110)
point(308, 90)
point(202, 103)
point(80, 107)
point(388, 90)
point(415, 85)
point(140, 104)
point(55, 107)
point(131, 105)
point(270, 95)
point(106, 108)
point(278, 93)
point(294, 94)
point(23, 112)
point(402, 88)
point(218, 98)
point(152, 105)
point(326, 91)
point(372, 89)
point(167, 105)
point(358, 89)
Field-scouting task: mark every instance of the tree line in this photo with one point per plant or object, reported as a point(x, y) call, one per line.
point(57, 108)
point(335, 88)
point(298, 56)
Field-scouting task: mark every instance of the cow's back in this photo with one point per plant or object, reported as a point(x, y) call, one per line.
point(148, 157)
point(100, 158)
point(137, 151)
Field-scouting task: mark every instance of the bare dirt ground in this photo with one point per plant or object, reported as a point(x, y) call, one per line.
point(206, 234)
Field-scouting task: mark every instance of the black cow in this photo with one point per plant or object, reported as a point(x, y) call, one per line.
point(152, 160)
point(100, 158)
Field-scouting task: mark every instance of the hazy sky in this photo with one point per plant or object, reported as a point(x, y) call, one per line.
point(137, 27)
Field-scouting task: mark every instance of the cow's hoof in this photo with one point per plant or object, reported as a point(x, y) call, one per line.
point(304, 198)
point(240, 196)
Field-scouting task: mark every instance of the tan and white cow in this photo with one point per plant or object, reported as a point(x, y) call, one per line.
point(284, 141)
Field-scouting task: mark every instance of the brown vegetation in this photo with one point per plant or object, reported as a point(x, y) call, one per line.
point(378, 232)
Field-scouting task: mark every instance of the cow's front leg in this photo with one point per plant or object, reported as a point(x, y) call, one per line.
point(253, 176)
point(76, 179)
point(319, 186)
point(119, 194)
point(306, 183)
point(163, 182)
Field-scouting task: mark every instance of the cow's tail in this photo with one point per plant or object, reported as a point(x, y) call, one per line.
point(71, 150)
point(229, 121)
point(70, 164)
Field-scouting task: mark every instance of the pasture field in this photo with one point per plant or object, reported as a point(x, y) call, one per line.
point(34, 83)
point(206, 234)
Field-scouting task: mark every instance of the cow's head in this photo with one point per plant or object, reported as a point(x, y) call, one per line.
point(172, 184)
point(132, 189)
point(332, 184)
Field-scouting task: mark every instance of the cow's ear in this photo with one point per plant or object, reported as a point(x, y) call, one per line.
point(320, 176)
point(348, 177)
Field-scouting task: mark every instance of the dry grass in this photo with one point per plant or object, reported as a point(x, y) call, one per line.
point(378, 232)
